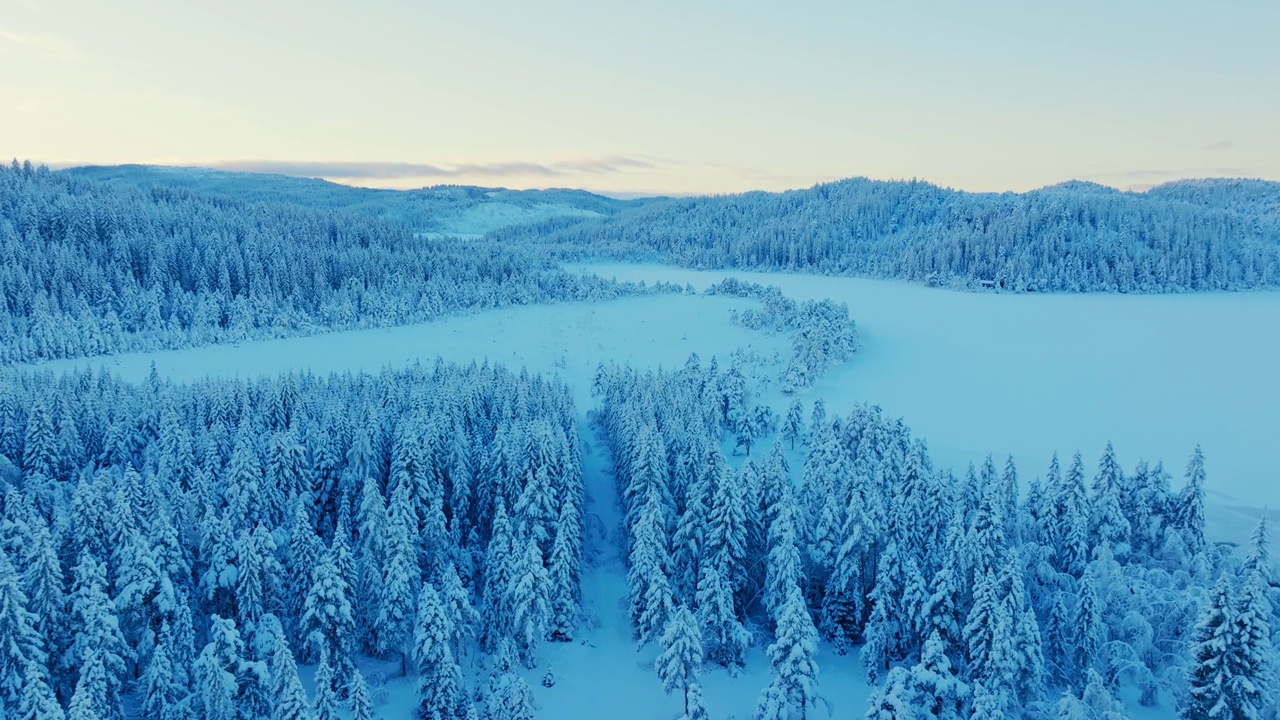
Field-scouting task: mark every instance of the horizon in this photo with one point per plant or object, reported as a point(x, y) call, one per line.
point(663, 99)
point(635, 194)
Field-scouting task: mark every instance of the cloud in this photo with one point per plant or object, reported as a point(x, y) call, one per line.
point(376, 170)
point(1220, 145)
point(50, 46)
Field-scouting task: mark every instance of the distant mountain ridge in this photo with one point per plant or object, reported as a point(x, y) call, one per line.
point(439, 210)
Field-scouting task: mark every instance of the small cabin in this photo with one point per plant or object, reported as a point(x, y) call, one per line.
point(987, 284)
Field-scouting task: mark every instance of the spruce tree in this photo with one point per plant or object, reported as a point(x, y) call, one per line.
point(20, 643)
point(37, 701)
point(361, 700)
point(440, 678)
point(680, 661)
point(529, 597)
point(289, 698)
point(1212, 649)
point(793, 654)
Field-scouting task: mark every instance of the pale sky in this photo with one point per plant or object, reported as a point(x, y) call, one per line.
point(680, 96)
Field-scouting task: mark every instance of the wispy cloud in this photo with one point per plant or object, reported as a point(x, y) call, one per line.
point(1220, 145)
point(50, 46)
point(377, 170)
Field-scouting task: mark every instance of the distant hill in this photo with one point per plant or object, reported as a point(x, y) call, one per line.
point(1075, 236)
point(441, 210)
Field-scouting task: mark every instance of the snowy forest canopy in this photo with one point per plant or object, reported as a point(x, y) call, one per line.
point(178, 549)
point(91, 268)
point(1076, 237)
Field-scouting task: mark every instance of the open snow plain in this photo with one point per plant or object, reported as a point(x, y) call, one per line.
point(1031, 374)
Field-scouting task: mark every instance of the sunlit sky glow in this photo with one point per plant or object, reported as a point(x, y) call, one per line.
point(662, 96)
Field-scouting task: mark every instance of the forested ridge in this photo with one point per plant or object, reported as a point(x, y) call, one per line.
point(1073, 237)
point(90, 268)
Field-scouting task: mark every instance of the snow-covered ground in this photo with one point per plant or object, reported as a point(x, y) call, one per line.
point(1028, 374)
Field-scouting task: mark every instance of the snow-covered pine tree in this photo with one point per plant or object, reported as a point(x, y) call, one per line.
point(216, 670)
point(328, 622)
point(680, 661)
point(326, 695)
point(93, 699)
point(400, 579)
point(783, 571)
point(793, 654)
point(1212, 648)
point(650, 563)
point(1090, 629)
point(289, 698)
point(793, 423)
point(20, 643)
point(529, 596)
point(38, 701)
point(716, 614)
point(563, 576)
point(1188, 515)
point(361, 699)
point(688, 544)
point(98, 629)
point(1252, 687)
point(440, 677)
point(463, 617)
point(933, 687)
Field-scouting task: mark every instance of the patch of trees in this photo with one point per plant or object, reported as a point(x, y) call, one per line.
point(822, 333)
point(187, 546)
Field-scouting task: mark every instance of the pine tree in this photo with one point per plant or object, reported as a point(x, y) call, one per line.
point(783, 571)
point(716, 614)
point(564, 580)
point(216, 669)
point(647, 577)
point(1089, 626)
point(679, 662)
point(529, 596)
point(326, 696)
point(793, 654)
point(20, 643)
point(1250, 689)
point(933, 686)
point(92, 699)
point(37, 701)
point(400, 578)
point(1189, 513)
point(440, 678)
point(328, 622)
point(371, 556)
point(793, 424)
point(1212, 648)
point(98, 631)
point(457, 605)
point(162, 694)
point(361, 700)
point(290, 699)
